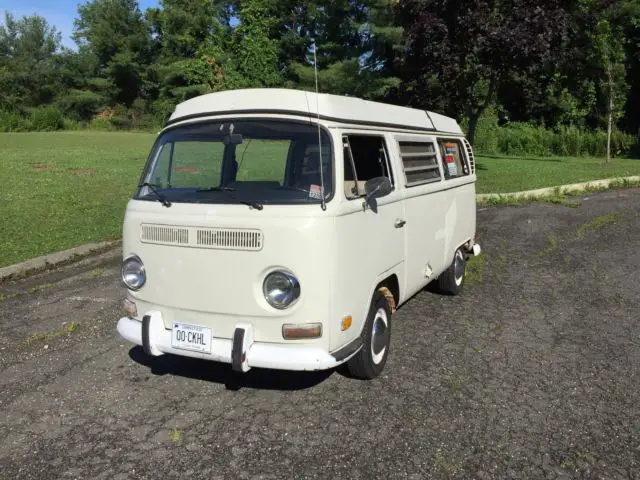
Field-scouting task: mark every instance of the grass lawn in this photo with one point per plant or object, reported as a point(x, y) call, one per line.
point(65, 189)
point(498, 174)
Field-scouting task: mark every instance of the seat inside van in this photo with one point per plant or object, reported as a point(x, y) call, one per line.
point(349, 188)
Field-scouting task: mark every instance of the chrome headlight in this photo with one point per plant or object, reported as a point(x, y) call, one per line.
point(133, 273)
point(281, 289)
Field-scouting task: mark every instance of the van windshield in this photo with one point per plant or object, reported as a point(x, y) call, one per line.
point(239, 161)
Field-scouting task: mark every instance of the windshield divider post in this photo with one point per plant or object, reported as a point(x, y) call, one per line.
point(170, 164)
point(315, 69)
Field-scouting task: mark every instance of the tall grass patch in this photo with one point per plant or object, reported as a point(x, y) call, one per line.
point(530, 139)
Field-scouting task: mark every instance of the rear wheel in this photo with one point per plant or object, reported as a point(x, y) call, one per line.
point(452, 279)
point(369, 362)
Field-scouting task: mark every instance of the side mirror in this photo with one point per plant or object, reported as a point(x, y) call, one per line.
point(377, 187)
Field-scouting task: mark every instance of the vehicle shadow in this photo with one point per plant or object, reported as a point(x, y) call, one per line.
point(216, 372)
point(433, 288)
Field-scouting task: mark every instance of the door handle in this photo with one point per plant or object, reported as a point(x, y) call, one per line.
point(400, 223)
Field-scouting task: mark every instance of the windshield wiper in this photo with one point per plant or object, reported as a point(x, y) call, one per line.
point(161, 198)
point(256, 205)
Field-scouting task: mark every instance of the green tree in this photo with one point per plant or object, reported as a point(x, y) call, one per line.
point(609, 55)
point(610, 52)
point(116, 35)
point(457, 55)
point(255, 45)
point(28, 50)
point(631, 119)
point(181, 28)
point(191, 44)
point(356, 43)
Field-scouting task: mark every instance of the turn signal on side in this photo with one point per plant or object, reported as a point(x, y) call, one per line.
point(346, 322)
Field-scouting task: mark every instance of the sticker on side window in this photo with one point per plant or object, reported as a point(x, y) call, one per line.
point(450, 150)
point(314, 192)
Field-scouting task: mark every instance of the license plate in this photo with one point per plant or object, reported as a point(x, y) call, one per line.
point(191, 337)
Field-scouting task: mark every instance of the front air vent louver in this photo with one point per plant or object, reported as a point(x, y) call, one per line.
point(164, 234)
point(229, 238)
point(203, 237)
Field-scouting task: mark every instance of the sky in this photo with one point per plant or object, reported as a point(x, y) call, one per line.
point(59, 13)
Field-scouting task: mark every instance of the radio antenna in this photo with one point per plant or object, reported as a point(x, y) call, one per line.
point(315, 71)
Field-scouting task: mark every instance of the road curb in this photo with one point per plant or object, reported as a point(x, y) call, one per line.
point(56, 259)
point(574, 187)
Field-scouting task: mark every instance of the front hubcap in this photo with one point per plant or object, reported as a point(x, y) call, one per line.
point(379, 336)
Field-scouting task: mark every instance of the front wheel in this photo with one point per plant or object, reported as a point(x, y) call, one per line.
point(452, 279)
point(369, 362)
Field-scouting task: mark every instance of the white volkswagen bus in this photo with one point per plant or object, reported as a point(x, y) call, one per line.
point(281, 229)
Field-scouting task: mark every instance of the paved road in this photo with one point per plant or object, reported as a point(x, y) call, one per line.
point(531, 373)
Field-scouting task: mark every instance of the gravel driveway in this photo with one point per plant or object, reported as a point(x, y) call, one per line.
point(531, 373)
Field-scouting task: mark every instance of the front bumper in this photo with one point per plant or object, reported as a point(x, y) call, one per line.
point(241, 351)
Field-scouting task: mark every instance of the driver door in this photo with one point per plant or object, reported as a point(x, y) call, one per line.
point(371, 236)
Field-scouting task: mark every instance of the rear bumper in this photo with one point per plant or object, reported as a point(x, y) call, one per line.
point(473, 248)
point(241, 351)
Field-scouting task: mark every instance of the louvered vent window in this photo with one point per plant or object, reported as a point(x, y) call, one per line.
point(420, 162)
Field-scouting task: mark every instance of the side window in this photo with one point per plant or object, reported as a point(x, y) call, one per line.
point(365, 157)
point(420, 162)
point(453, 159)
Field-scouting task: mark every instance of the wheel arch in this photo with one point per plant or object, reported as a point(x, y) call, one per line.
point(390, 288)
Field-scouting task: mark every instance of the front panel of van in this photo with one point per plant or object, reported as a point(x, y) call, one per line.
point(206, 264)
point(223, 203)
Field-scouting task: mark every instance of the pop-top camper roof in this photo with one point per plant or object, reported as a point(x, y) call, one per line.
point(332, 108)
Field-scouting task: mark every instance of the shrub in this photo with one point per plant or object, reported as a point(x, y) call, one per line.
point(635, 148)
point(47, 119)
point(80, 105)
point(13, 122)
point(487, 132)
point(100, 124)
point(70, 124)
point(522, 139)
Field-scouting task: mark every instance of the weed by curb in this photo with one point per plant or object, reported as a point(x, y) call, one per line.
point(558, 195)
